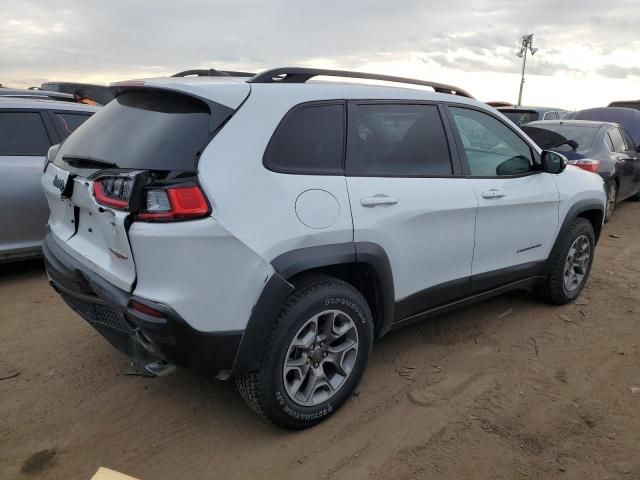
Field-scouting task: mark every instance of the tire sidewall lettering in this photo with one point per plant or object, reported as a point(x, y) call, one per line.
point(348, 304)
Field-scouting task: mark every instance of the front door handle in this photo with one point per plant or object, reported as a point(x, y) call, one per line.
point(378, 200)
point(493, 193)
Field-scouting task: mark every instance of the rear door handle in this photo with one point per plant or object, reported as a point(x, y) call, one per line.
point(378, 200)
point(493, 193)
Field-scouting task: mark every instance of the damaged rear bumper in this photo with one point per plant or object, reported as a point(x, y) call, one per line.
point(146, 339)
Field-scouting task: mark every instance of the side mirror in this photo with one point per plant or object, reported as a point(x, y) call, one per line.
point(514, 166)
point(553, 162)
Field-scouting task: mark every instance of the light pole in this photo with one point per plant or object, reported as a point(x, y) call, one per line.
point(527, 44)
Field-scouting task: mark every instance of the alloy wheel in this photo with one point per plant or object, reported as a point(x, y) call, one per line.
point(320, 358)
point(577, 263)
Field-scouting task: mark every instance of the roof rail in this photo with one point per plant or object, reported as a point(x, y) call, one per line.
point(212, 73)
point(301, 75)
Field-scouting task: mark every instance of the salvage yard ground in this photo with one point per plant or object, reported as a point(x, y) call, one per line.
point(506, 389)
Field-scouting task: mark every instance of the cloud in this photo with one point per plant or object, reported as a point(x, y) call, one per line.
point(617, 71)
point(117, 39)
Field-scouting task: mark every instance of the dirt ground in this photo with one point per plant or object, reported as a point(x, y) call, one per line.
point(506, 389)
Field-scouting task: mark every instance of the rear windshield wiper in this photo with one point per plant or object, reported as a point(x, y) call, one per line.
point(87, 162)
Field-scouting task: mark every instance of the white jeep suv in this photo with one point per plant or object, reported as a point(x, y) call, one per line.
point(269, 228)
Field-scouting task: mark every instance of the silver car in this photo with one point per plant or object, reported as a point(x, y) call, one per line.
point(28, 127)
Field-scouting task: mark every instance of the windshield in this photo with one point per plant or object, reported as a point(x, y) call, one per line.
point(520, 117)
point(582, 135)
point(147, 130)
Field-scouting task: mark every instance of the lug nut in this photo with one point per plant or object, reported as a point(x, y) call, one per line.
point(325, 354)
point(316, 365)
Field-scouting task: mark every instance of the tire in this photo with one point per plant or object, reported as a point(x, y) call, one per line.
point(555, 289)
point(271, 390)
point(611, 188)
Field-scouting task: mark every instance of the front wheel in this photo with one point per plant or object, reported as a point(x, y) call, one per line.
point(571, 263)
point(316, 356)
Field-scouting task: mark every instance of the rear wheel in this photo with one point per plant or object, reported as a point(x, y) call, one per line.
point(612, 196)
point(571, 263)
point(316, 356)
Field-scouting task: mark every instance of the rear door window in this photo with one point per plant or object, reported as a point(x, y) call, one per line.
point(616, 140)
point(23, 134)
point(66, 123)
point(400, 141)
point(309, 140)
point(629, 143)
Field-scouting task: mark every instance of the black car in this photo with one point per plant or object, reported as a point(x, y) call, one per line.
point(635, 104)
point(98, 93)
point(35, 93)
point(629, 118)
point(601, 147)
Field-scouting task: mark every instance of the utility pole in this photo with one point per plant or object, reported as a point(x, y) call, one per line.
point(527, 44)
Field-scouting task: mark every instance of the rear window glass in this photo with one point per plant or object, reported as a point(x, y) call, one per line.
point(520, 117)
point(147, 130)
point(310, 140)
point(66, 123)
point(582, 135)
point(23, 133)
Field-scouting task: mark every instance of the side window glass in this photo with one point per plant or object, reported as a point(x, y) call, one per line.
point(66, 123)
point(607, 140)
point(309, 140)
point(492, 148)
point(23, 134)
point(616, 140)
point(400, 140)
point(628, 141)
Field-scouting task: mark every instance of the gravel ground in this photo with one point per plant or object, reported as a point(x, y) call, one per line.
point(507, 389)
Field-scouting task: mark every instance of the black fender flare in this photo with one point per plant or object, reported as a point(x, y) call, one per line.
point(278, 287)
point(574, 212)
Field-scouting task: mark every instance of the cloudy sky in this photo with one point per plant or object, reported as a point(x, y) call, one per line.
point(589, 50)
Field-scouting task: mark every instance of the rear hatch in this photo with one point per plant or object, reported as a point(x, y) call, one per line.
point(136, 159)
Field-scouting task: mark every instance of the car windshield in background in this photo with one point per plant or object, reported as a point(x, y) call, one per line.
point(147, 130)
point(520, 117)
point(582, 135)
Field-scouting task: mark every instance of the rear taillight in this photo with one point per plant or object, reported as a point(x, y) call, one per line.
point(145, 309)
point(113, 191)
point(586, 164)
point(174, 203)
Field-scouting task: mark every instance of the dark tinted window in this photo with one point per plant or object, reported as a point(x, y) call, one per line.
point(400, 140)
point(582, 135)
point(629, 143)
point(309, 140)
point(520, 117)
point(616, 140)
point(147, 130)
point(23, 133)
point(66, 123)
point(492, 148)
